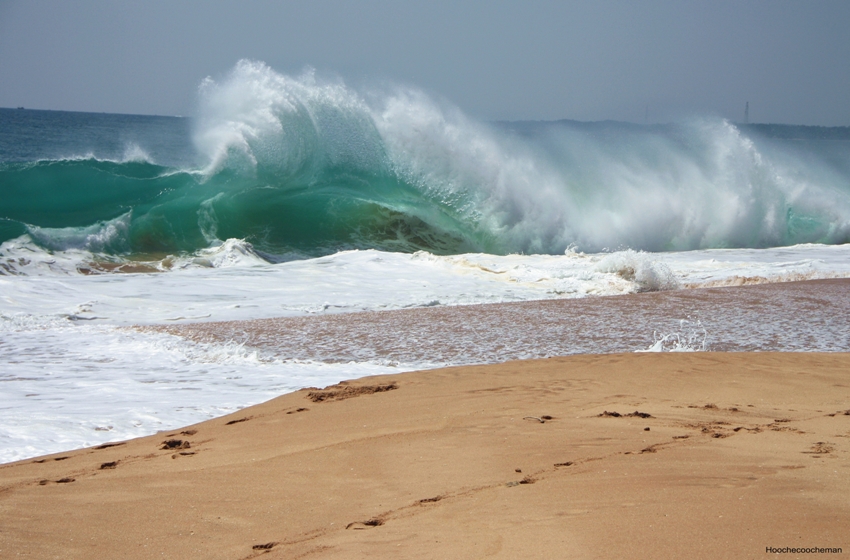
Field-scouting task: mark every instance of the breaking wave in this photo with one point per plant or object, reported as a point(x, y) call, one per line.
point(301, 167)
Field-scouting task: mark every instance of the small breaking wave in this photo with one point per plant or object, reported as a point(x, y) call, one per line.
point(691, 337)
point(639, 267)
point(102, 237)
point(79, 255)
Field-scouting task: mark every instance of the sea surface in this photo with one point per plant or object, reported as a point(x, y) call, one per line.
point(317, 206)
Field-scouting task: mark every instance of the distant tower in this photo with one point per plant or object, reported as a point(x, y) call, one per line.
point(747, 113)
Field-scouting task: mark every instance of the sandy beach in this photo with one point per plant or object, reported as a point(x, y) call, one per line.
point(697, 455)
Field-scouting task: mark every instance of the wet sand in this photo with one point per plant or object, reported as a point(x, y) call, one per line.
point(793, 316)
point(697, 455)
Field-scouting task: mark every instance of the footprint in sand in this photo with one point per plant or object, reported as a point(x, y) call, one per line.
point(359, 525)
point(172, 444)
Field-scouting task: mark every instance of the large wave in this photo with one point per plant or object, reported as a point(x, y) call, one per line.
point(298, 165)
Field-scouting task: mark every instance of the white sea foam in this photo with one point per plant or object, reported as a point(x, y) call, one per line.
point(230, 281)
point(67, 386)
point(72, 376)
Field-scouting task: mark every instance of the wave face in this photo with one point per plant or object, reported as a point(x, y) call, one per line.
point(301, 167)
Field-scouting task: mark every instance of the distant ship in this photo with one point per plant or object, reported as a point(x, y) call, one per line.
point(20, 107)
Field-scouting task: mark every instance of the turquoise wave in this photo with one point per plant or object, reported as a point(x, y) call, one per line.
point(64, 204)
point(298, 167)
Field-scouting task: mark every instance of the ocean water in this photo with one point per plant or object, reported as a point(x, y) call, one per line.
point(306, 200)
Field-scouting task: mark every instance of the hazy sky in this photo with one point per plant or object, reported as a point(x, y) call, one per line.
point(494, 59)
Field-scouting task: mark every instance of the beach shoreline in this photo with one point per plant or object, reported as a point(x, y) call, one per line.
point(807, 315)
point(706, 455)
point(75, 383)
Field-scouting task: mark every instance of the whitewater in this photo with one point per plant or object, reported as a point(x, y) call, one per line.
point(303, 198)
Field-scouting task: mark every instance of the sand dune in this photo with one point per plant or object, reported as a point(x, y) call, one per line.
point(701, 455)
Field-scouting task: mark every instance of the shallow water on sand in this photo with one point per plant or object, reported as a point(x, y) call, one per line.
point(794, 317)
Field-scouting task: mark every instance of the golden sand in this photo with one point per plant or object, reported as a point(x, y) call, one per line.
point(700, 455)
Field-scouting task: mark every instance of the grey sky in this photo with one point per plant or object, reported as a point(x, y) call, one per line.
point(494, 59)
